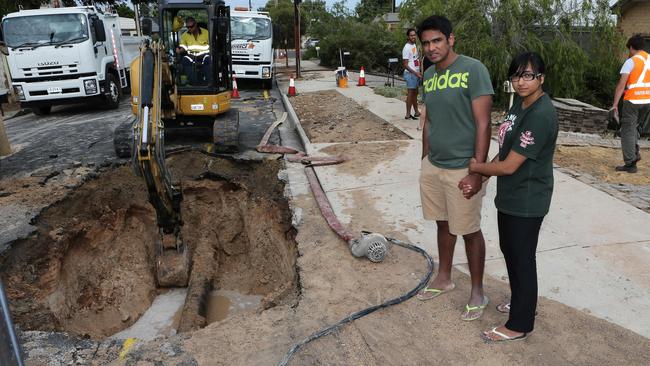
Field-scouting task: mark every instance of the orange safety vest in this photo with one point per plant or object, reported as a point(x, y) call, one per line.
point(638, 83)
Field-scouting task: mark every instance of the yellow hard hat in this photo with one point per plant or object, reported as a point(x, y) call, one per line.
point(177, 24)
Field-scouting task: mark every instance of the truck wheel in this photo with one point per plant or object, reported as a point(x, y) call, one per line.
point(267, 84)
point(225, 132)
point(43, 110)
point(113, 92)
point(123, 140)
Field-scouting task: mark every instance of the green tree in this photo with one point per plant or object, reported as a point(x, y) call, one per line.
point(367, 10)
point(282, 17)
point(578, 66)
point(9, 6)
point(124, 10)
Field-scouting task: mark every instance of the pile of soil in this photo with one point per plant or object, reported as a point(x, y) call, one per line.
point(328, 116)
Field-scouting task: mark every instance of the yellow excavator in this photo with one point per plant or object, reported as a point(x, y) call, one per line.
point(179, 87)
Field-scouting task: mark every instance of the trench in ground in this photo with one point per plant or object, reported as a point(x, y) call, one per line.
point(89, 268)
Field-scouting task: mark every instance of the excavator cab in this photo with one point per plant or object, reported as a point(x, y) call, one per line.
point(196, 78)
point(180, 80)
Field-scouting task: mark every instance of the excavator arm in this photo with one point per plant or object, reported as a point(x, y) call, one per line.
point(149, 161)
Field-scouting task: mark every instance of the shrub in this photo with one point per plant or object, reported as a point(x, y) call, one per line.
point(390, 91)
point(370, 45)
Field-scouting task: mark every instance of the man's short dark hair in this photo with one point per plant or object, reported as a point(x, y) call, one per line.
point(636, 42)
point(435, 22)
point(190, 19)
point(408, 31)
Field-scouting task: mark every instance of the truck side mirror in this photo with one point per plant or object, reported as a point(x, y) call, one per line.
point(147, 26)
point(223, 25)
point(100, 32)
point(3, 45)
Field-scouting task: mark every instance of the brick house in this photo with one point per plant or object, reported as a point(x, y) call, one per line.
point(633, 17)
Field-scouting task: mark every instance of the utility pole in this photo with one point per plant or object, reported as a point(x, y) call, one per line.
point(296, 34)
point(250, 5)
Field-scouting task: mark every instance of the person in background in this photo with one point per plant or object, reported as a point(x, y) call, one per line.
point(412, 74)
point(634, 87)
point(524, 170)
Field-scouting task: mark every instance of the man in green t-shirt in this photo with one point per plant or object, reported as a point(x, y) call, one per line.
point(458, 98)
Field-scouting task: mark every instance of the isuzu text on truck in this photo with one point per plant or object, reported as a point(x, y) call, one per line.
point(252, 45)
point(67, 55)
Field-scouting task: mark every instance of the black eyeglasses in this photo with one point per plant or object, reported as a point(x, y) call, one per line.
point(527, 76)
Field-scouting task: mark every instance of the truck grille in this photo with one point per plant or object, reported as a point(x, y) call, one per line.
point(255, 57)
point(49, 70)
point(54, 77)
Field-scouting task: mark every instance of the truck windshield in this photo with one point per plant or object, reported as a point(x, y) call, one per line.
point(250, 28)
point(42, 30)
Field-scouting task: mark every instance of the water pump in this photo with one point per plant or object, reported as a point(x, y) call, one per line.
point(374, 246)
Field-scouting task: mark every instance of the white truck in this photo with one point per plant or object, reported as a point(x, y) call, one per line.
point(252, 45)
point(67, 55)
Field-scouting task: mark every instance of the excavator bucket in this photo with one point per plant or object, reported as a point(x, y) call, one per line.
point(172, 269)
point(172, 262)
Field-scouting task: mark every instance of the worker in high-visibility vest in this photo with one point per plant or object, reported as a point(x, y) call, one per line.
point(634, 87)
point(194, 49)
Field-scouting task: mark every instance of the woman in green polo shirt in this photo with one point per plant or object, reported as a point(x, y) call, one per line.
point(524, 167)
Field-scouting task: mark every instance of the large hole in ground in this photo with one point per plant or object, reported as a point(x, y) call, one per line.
point(89, 268)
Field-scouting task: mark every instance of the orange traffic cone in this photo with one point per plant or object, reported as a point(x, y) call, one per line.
point(235, 92)
point(292, 87)
point(362, 77)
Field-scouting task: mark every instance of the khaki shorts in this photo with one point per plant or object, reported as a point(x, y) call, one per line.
point(443, 201)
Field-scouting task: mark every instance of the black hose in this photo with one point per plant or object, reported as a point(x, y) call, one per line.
point(329, 329)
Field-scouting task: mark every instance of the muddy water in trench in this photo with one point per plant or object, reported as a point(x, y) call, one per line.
point(89, 268)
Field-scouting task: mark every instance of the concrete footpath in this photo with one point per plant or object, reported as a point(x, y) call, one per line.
point(593, 252)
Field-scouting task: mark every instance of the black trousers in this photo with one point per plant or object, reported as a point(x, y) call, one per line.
point(518, 241)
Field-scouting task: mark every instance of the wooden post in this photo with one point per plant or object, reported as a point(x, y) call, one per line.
point(5, 148)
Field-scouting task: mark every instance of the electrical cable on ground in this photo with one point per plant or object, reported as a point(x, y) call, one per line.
point(334, 223)
point(329, 329)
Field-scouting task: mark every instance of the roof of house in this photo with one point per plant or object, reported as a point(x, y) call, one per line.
point(388, 18)
point(624, 4)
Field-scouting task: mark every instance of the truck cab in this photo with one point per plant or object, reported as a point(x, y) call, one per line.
point(66, 55)
point(252, 44)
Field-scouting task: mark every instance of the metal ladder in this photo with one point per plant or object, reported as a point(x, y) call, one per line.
point(123, 81)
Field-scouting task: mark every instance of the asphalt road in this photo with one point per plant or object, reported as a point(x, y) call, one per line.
point(83, 134)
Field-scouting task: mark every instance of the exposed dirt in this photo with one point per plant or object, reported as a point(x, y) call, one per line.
point(328, 116)
point(89, 268)
point(367, 155)
point(599, 162)
point(254, 252)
